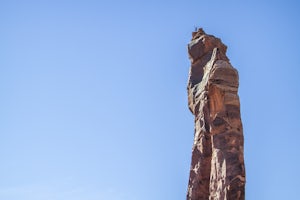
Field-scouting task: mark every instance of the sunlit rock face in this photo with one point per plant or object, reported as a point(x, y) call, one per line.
point(217, 168)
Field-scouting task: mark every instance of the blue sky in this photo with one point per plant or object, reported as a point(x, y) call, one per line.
point(94, 104)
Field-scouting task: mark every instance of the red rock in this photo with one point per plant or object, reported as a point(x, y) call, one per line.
point(217, 168)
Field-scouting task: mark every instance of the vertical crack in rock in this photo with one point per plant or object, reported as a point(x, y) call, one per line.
point(217, 168)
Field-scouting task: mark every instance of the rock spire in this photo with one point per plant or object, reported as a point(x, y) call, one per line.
point(217, 169)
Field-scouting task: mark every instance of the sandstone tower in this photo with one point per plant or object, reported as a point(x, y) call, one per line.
point(217, 169)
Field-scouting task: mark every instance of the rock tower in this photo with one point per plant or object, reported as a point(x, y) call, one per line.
point(217, 169)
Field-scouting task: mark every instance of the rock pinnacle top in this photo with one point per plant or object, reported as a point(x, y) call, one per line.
point(217, 167)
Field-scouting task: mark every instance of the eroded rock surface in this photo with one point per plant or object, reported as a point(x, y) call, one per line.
point(217, 168)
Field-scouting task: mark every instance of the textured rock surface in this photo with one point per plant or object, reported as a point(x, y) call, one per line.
point(217, 168)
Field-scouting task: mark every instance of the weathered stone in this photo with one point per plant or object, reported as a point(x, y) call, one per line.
point(217, 168)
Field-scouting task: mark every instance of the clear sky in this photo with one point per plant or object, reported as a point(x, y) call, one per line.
point(93, 101)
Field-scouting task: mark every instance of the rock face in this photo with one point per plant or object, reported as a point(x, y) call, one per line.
point(217, 168)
